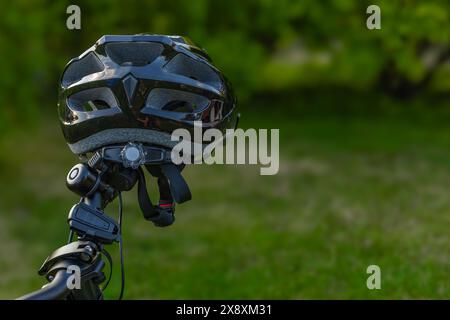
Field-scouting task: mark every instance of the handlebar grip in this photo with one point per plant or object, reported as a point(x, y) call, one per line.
point(55, 290)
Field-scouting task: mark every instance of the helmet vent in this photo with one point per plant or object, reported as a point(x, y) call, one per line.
point(188, 67)
point(80, 68)
point(92, 100)
point(175, 101)
point(133, 53)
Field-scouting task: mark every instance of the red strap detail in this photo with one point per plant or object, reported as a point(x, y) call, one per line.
point(165, 205)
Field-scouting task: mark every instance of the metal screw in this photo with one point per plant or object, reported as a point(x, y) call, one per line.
point(85, 257)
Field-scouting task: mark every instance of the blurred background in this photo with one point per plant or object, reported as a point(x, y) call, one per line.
point(364, 119)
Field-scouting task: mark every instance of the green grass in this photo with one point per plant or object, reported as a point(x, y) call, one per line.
point(351, 191)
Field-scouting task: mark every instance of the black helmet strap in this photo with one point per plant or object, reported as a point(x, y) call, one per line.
point(171, 183)
point(172, 188)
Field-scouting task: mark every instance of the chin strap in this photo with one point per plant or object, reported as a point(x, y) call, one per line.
point(172, 188)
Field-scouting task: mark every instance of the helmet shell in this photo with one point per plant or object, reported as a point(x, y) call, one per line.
point(140, 88)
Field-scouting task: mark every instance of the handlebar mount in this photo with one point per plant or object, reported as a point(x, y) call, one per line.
point(110, 171)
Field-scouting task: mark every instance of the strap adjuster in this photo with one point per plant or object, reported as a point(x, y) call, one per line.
point(133, 155)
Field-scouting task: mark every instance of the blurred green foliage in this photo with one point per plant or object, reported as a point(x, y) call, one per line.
point(353, 190)
point(262, 45)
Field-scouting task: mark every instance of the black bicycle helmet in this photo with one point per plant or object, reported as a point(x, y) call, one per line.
point(140, 88)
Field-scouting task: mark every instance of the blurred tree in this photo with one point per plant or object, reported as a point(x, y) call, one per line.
point(262, 45)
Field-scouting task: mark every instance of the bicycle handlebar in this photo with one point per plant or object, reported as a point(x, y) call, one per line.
point(55, 290)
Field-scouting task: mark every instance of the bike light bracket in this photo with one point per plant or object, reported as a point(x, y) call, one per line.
point(91, 223)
